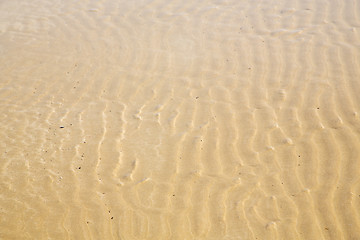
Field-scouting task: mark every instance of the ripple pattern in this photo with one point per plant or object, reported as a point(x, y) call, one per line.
point(179, 119)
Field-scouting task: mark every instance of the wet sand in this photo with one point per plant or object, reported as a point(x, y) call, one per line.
point(180, 119)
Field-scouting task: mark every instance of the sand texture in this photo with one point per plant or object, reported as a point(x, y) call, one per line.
point(155, 119)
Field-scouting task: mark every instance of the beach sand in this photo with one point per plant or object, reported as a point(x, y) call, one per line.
point(180, 119)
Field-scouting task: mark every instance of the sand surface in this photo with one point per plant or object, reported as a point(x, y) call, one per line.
point(210, 119)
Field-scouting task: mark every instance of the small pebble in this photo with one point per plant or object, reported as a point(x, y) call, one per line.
point(270, 225)
point(287, 141)
point(270, 148)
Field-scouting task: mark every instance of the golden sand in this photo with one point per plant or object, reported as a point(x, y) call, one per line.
point(211, 119)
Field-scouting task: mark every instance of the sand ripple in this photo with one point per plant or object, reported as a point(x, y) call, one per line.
point(179, 120)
